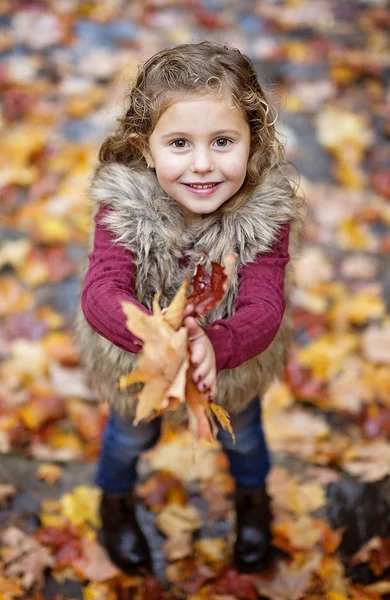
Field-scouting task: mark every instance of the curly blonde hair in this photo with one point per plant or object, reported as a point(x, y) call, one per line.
point(190, 71)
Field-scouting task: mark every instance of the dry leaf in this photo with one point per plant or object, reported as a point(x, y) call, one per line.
point(173, 315)
point(333, 576)
point(49, 473)
point(98, 566)
point(24, 557)
point(285, 584)
point(376, 343)
point(223, 417)
point(162, 489)
point(81, 506)
point(178, 546)
point(213, 550)
point(369, 461)
point(173, 520)
point(161, 360)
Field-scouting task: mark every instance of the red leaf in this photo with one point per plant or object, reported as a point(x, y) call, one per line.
point(65, 543)
point(231, 583)
point(207, 288)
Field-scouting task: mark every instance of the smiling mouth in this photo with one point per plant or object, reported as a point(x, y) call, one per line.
point(202, 186)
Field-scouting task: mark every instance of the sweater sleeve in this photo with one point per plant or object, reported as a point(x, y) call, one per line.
point(109, 280)
point(260, 306)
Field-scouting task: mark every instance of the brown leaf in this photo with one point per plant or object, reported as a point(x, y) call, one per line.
point(369, 461)
point(173, 520)
point(376, 552)
point(98, 566)
point(162, 489)
point(213, 550)
point(189, 575)
point(332, 575)
point(49, 473)
point(284, 584)
point(161, 360)
point(24, 557)
point(200, 418)
point(178, 546)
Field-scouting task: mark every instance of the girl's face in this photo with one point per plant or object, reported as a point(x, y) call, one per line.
point(199, 149)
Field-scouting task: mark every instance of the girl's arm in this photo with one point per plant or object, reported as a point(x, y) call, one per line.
point(260, 307)
point(109, 280)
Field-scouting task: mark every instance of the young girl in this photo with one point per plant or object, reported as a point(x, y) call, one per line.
point(194, 165)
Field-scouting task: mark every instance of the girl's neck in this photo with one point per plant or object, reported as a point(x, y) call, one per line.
point(189, 217)
point(193, 220)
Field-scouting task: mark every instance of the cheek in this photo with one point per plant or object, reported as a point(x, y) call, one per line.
point(236, 167)
point(168, 168)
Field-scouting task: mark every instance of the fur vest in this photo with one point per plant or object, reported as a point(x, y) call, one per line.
point(148, 222)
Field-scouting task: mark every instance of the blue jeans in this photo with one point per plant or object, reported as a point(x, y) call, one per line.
point(123, 443)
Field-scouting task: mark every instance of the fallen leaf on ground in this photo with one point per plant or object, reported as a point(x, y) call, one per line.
point(284, 584)
point(213, 550)
point(230, 583)
point(189, 575)
point(369, 461)
point(174, 520)
point(81, 506)
point(49, 473)
point(178, 546)
point(376, 552)
point(161, 489)
point(24, 557)
point(98, 566)
point(332, 574)
point(376, 343)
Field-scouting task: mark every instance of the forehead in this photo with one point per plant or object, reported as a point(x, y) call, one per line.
point(197, 115)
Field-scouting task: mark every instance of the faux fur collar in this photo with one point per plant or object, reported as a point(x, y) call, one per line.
point(138, 200)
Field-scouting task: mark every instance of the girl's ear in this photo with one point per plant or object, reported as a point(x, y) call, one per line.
point(147, 156)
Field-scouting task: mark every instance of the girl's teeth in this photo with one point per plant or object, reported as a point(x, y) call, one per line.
point(201, 187)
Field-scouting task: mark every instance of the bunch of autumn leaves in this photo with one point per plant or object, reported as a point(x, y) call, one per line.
point(164, 365)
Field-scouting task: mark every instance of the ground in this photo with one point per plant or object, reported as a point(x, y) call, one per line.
point(326, 68)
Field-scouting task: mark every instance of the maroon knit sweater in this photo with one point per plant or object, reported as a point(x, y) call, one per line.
point(260, 302)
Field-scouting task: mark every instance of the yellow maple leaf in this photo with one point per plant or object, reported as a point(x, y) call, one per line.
point(81, 506)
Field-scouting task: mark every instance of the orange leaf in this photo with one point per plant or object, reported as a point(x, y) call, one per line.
point(223, 417)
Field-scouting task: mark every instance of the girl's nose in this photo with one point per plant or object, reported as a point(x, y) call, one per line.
point(202, 162)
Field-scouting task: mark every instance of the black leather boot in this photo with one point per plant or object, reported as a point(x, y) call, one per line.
point(121, 535)
point(253, 521)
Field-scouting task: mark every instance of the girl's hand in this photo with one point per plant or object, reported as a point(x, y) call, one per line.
point(202, 356)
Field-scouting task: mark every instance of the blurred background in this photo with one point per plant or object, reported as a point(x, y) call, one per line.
point(65, 67)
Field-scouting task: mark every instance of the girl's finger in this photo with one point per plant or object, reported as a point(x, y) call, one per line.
point(208, 381)
point(198, 354)
point(199, 374)
point(194, 330)
point(189, 309)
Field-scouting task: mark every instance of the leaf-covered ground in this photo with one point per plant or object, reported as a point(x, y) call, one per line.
point(65, 66)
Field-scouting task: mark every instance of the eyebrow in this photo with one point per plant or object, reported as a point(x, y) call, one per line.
point(219, 132)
